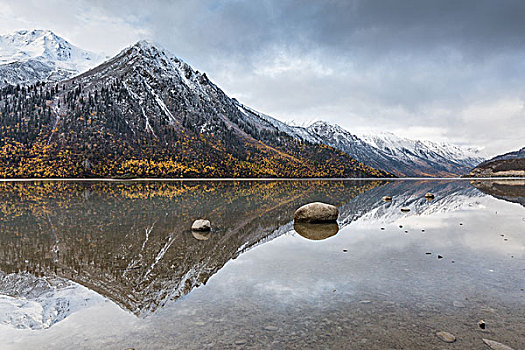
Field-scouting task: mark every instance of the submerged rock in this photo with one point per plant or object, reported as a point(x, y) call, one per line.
point(458, 304)
point(316, 212)
point(446, 337)
point(494, 345)
point(316, 232)
point(201, 225)
point(387, 198)
point(429, 195)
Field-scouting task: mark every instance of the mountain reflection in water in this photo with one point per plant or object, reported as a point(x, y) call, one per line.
point(131, 241)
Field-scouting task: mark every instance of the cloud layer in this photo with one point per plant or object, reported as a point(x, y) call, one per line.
point(444, 70)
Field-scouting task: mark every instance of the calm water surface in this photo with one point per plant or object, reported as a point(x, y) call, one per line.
point(114, 265)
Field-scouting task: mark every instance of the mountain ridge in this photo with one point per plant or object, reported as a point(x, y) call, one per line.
point(400, 156)
point(147, 113)
point(150, 92)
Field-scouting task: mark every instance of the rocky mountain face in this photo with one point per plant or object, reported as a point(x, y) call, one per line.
point(399, 156)
point(147, 113)
point(505, 165)
point(39, 55)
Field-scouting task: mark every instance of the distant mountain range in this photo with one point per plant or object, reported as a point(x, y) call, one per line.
point(147, 113)
point(510, 164)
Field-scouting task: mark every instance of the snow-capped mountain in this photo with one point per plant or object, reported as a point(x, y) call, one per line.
point(145, 93)
point(400, 156)
point(147, 96)
point(40, 55)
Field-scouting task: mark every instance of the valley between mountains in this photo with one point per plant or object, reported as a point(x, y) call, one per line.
point(147, 113)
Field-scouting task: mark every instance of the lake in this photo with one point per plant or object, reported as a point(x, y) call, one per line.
point(115, 265)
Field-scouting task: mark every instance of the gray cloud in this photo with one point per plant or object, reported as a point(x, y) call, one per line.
point(447, 70)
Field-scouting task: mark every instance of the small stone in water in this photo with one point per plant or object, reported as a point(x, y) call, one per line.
point(428, 253)
point(446, 337)
point(382, 228)
point(345, 250)
point(271, 328)
point(422, 230)
point(400, 226)
point(240, 342)
point(366, 301)
point(482, 324)
point(440, 257)
point(405, 210)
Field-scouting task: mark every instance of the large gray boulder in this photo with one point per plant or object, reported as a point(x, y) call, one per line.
point(316, 213)
point(201, 225)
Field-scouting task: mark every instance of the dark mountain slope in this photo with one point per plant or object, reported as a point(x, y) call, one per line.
point(505, 165)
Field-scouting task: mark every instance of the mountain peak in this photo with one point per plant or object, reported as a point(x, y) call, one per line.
point(27, 56)
point(324, 127)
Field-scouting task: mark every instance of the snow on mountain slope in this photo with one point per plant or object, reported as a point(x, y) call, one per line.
point(39, 55)
point(397, 155)
point(294, 131)
point(30, 302)
point(407, 149)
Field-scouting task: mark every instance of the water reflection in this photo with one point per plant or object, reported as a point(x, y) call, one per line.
point(316, 232)
point(508, 190)
point(131, 241)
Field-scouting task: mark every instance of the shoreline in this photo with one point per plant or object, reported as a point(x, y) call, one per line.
point(101, 179)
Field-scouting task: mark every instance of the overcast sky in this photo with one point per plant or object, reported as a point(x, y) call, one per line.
point(440, 70)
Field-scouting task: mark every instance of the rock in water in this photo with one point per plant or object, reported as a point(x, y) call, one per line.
point(316, 232)
point(429, 195)
point(494, 345)
point(201, 225)
point(446, 337)
point(387, 198)
point(405, 210)
point(316, 213)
